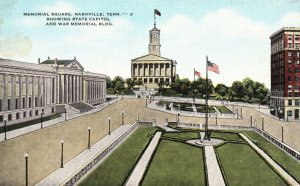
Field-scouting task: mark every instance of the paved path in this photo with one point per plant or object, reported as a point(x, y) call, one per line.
point(215, 177)
point(140, 168)
point(62, 174)
point(167, 129)
point(282, 172)
point(31, 128)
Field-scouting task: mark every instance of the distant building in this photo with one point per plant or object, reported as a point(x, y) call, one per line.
point(152, 68)
point(27, 89)
point(285, 73)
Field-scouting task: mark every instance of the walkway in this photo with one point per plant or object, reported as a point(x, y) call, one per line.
point(31, 128)
point(140, 168)
point(282, 172)
point(70, 168)
point(215, 177)
point(167, 129)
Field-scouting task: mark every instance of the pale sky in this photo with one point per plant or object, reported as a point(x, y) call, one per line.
point(234, 34)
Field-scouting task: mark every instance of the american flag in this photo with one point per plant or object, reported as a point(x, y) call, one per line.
point(197, 73)
point(213, 67)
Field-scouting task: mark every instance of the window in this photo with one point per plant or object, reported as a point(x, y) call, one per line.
point(290, 61)
point(297, 62)
point(290, 113)
point(297, 37)
point(289, 78)
point(30, 113)
point(9, 117)
point(290, 94)
point(36, 101)
point(23, 102)
point(289, 54)
point(290, 87)
point(297, 94)
point(24, 114)
point(297, 102)
point(17, 115)
point(16, 103)
point(290, 70)
point(8, 104)
point(150, 80)
point(52, 109)
point(1, 118)
point(36, 112)
point(290, 102)
point(297, 46)
point(29, 102)
point(290, 45)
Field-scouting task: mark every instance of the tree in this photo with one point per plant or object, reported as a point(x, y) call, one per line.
point(200, 86)
point(130, 83)
point(109, 82)
point(237, 90)
point(221, 89)
point(118, 83)
point(261, 92)
point(248, 85)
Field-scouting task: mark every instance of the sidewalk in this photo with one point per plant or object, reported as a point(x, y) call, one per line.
point(282, 172)
point(70, 168)
point(31, 128)
point(140, 168)
point(215, 177)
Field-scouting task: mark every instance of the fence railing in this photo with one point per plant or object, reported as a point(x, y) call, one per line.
point(278, 143)
point(75, 177)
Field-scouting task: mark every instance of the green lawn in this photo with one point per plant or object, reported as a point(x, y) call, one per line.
point(223, 110)
point(115, 168)
point(176, 164)
point(289, 163)
point(226, 136)
point(243, 166)
point(182, 135)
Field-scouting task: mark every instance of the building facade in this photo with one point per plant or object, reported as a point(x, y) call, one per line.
point(285, 73)
point(27, 90)
point(152, 68)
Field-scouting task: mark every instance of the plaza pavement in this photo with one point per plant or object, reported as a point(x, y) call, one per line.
point(215, 177)
point(43, 146)
point(140, 168)
point(59, 176)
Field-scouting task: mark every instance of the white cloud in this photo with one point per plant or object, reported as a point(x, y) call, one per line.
point(17, 46)
point(291, 19)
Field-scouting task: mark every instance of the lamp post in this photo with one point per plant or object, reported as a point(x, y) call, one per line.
point(146, 101)
point(178, 114)
point(26, 168)
point(65, 113)
point(89, 140)
point(62, 154)
point(237, 113)
point(122, 117)
point(216, 118)
point(241, 112)
point(251, 117)
point(42, 113)
point(5, 129)
point(262, 123)
point(108, 125)
point(282, 132)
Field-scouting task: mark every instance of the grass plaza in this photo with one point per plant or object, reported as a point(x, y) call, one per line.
point(173, 161)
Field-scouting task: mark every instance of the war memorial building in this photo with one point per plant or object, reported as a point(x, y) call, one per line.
point(153, 68)
point(27, 90)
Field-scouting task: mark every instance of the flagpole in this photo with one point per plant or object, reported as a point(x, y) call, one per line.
point(154, 19)
point(206, 102)
point(194, 88)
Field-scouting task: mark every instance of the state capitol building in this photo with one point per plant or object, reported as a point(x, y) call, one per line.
point(28, 90)
point(153, 68)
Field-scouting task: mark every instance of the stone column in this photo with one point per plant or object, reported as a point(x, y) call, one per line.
point(4, 104)
point(20, 92)
point(13, 92)
point(38, 91)
point(165, 69)
point(143, 67)
point(26, 92)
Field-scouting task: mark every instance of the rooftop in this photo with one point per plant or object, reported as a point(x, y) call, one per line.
point(285, 29)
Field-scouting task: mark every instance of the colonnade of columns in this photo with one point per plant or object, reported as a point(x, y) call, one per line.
point(95, 91)
point(25, 91)
point(152, 69)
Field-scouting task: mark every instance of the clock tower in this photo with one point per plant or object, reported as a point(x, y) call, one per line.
point(154, 43)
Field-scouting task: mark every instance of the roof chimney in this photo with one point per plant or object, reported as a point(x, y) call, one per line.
point(39, 60)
